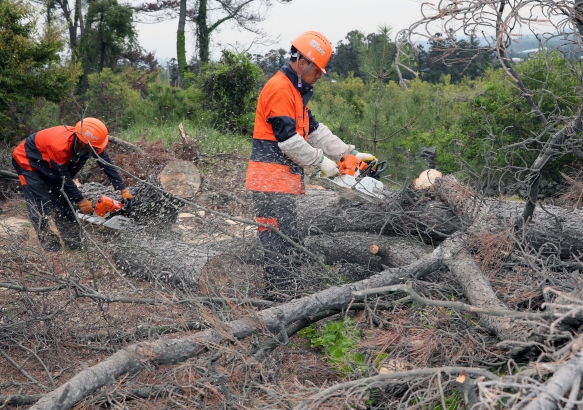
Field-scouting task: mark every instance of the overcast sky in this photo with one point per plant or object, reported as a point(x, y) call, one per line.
point(333, 18)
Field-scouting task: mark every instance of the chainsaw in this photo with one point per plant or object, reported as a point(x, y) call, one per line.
point(109, 213)
point(361, 176)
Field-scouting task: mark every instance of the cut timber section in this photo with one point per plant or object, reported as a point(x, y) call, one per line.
point(180, 178)
point(371, 250)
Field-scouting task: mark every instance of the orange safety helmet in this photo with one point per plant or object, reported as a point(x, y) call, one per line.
point(92, 131)
point(314, 47)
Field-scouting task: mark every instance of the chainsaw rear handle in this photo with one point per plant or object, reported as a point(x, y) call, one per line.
point(380, 168)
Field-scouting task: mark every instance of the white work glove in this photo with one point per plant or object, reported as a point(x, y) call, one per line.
point(328, 167)
point(363, 156)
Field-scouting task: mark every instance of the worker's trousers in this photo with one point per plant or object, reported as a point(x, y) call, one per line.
point(43, 201)
point(280, 211)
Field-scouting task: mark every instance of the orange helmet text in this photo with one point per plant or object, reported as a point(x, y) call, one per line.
point(314, 47)
point(92, 131)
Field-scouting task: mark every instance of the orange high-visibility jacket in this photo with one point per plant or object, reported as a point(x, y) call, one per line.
point(49, 151)
point(282, 112)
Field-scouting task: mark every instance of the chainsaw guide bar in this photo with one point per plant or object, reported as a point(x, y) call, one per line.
point(115, 222)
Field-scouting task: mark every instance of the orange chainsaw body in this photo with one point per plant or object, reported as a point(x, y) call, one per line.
point(349, 164)
point(106, 205)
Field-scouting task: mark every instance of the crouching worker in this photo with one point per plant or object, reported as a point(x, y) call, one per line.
point(47, 161)
point(287, 138)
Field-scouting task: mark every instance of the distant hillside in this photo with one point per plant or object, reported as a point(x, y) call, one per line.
point(522, 46)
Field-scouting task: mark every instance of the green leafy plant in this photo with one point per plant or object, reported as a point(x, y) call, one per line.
point(171, 103)
point(338, 342)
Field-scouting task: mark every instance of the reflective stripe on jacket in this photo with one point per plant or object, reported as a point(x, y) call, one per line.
point(282, 112)
point(50, 151)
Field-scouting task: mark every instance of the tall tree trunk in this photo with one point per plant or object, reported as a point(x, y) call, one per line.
point(202, 32)
point(102, 43)
point(181, 41)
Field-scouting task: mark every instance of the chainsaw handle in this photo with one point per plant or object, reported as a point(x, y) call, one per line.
point(381, 167)
point(368, 169)
point(127, 206)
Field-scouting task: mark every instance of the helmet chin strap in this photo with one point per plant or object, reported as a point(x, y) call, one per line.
point(79, 147)
point(298, 55)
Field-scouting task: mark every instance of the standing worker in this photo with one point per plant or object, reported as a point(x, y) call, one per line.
point(48, 160)
point(287, 138)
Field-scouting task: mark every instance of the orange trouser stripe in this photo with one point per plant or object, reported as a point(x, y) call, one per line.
point(270, 177)
point(267, 221)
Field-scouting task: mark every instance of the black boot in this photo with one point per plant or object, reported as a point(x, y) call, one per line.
point(70, 232)
point(49, 241)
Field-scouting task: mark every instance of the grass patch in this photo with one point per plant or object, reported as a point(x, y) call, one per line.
point(208, 140)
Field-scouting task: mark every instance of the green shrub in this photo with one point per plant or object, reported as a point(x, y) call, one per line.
point(110, 97)
point(171, 103)
point(45, 114)
point(230, 88)
point(164, 104)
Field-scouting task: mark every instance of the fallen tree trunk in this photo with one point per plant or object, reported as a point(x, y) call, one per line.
point(182, 264)
point(433, 216)
point(399, 214)
point(479, 291)
point(446, 208)
point(150, 258)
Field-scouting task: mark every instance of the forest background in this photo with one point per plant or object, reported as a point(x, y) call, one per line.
point(453, 97)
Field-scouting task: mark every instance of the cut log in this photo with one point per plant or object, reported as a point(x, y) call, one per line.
point(143, 256)
point(426, 179)
point(370, 250)
point(180, 178)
